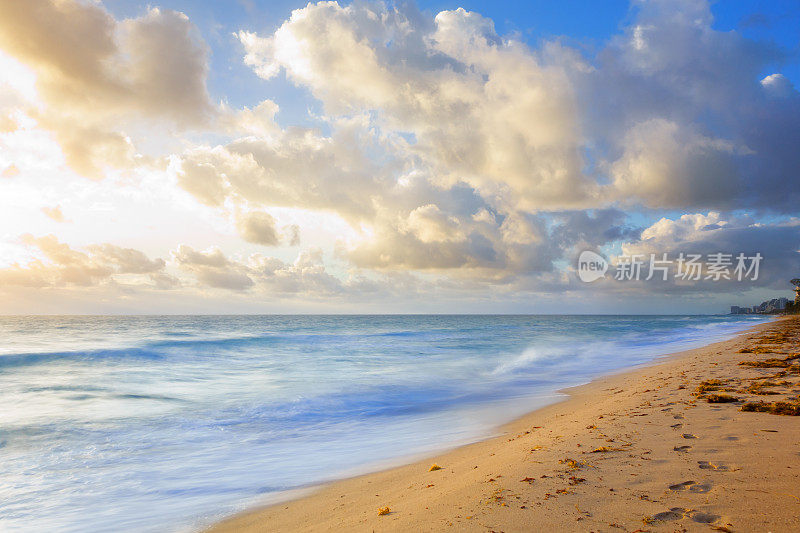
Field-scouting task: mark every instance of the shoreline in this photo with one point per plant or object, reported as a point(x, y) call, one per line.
point(470, 499)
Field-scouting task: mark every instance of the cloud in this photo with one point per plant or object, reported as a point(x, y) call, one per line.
point(60, 265)
point(455, 154)
point(674, 113)
point(292, 234)
point(212, 268)
point(54, 213)
point(710, 233)
point(665, 166)
point(483, 110)
point(10, 171)
point(305, 277)
point(778, 85)
point(200, 175)
point(94, 74)
point(127, 260)
point(579, 230)
point(258, 228)
point(447, 105)
point(685, 118)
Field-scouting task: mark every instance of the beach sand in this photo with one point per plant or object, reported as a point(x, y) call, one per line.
point(639, 451)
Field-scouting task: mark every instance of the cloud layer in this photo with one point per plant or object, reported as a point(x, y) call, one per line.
point(94, 72)
point(459, 158)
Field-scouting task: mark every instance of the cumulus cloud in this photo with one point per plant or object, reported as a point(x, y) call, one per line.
point(674, 112)
point(483, 110)
point(664, 166)
point(127, 260)
point(593, 229)
point(686, 119)
point(710, 233)
point(452, 147)
point(778, 85)
point(448, 148)
point(306, 276)
point(212, 268)
point(258, 228)
point(92, 72)
point(61, 265)
point(300, 167)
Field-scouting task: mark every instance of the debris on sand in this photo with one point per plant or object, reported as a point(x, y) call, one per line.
point(775, 408)
point(720, 398)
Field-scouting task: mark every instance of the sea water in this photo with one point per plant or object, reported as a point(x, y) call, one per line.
point(168, 423)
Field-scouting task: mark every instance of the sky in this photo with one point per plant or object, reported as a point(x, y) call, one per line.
point(377, 157)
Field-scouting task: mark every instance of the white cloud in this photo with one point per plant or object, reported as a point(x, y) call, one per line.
point(483, 110)
point(258, 228)
point(54, 213)
point(96, 75)
point(61, 265)
point(712, 232)
point(778, 85)
point(665, 166)
point(212, 268)
point(443, 150)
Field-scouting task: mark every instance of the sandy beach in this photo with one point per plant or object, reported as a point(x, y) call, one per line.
point(693, 442)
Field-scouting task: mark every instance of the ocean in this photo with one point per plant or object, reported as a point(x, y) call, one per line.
point(168, 423)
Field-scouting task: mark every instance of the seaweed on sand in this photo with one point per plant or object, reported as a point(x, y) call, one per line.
point(719, 398)
point(767, 363)
point(709, 385)
point(775, 408)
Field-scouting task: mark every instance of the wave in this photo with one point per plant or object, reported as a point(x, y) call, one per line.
point(161, 349)
point(532, 355)
point(630, 348)
point(208, 412)
point(154, 350)
point(35, 358)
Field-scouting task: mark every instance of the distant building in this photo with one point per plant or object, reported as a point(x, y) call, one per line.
point(766, 307)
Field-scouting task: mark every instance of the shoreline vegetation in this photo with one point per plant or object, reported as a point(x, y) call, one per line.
point(693, 442)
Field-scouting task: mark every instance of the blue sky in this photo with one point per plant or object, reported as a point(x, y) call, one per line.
point(584, 24)
point(190, 156)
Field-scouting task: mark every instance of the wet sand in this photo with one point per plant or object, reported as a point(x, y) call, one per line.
point(666, 447)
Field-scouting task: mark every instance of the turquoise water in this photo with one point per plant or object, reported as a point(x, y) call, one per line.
point(167, 423)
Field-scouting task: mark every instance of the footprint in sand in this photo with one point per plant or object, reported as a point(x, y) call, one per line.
point(676, 426)
point(689, 436)
point(682, 486)
point(700, 488)
point(705, 465)
point(681, 448)
point(677, 513)
point(704, 518)
point(678, 417)
point(691, 486)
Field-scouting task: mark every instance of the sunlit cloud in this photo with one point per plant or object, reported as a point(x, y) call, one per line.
point(440, 152)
